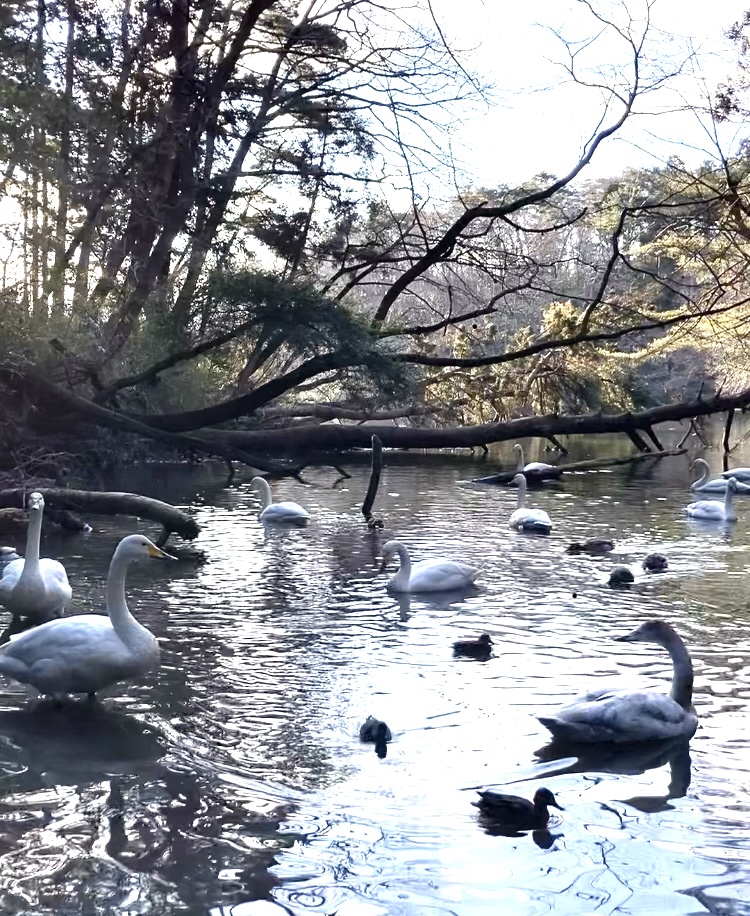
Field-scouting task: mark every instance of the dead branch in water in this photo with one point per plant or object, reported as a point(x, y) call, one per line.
point(91, 502)
point(594, 464)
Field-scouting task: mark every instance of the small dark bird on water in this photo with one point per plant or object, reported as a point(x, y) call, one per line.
point(517, 812)
point(620, 577)
point(655, 562)
point(481, 647)
point(591, 545)
point(376, 730)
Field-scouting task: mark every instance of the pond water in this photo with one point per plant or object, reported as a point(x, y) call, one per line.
point(233, 783)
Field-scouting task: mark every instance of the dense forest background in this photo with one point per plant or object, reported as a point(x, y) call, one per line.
point(213, 218)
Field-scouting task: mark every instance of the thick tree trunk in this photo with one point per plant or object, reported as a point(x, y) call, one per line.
point(342, 437)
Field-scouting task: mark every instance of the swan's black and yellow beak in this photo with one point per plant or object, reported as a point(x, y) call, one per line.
point(159, 554)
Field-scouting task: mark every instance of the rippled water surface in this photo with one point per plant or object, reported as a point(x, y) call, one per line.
point(232, 783)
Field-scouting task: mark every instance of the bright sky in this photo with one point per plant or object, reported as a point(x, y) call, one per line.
point(540, 123)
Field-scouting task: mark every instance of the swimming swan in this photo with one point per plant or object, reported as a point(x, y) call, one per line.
point(426, 575)
point(536, 470)
point(31, 588)
point(524, 519)
point(717, 485)
point(619, 716)
point(715, 509)
point(737, 473)
point(87, 652)
point(277, 512)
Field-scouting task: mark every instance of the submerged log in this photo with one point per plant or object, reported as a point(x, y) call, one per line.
point(92, 502)
point(594, 464)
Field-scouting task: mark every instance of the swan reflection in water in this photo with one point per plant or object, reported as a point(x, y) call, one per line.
point(76, 742)
point(558, 758)
point(628, 760)
point(439, 601)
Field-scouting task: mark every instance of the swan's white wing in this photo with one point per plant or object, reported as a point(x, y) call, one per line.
point(539, 466)
point(56, 585)
point(720, 486)
point(441, 575)
point(620, 716)
point(532, 519)
point(79, 654)
point(706, 508)
point(284, 511)
point(52, 570)
point(739, 473)
point(10, 576)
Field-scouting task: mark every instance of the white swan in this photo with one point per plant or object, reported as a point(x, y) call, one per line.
point(535, 469)
point(288, 512)
point(717, 485)
point(737, 473)
point(716, 510)
point(620, 716)
point(31, 588)
point(426, 575)
point(86, 652)
point(524, 519)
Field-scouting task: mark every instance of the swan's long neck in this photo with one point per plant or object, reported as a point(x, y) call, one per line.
point(728, 497)
point(264, 491)
point(404, 572)
point(33, 537)
point(123, 622)
point(521, 460)
point(704, 477)
point(682, 679)
point(521, 494)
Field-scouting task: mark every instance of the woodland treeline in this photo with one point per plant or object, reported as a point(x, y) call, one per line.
point(200, 239)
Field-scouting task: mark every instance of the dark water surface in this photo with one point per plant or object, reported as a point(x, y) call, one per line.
point(233, 783)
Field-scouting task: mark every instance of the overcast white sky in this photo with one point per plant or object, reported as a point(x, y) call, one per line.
point(539, 124)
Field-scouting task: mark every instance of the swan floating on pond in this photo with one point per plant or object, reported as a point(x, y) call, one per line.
point(717, 485)
point(535, 470)
point(740, 474)
point(517, 812)
point(282, 512)
point(716, 510)
point(85, 653)
point(427, 575)
point(32, 588)
point(621, 716)
point(526, 519)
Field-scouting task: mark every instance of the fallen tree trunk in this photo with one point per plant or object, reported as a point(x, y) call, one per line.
point(593, 464)
point(340, 437)
point(92, 502)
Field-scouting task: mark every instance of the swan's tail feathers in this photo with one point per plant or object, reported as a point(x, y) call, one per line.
point(13, 667)
point(561, 730)
point(576, 732)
